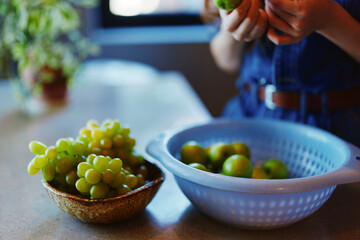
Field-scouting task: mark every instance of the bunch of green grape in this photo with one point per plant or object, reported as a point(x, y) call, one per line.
point(99, 163)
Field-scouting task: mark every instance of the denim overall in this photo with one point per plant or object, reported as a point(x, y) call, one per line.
point(314, 65)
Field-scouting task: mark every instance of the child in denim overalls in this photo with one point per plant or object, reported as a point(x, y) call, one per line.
point(303, 62)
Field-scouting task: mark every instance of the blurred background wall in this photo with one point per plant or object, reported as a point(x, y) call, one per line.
point(171, 48)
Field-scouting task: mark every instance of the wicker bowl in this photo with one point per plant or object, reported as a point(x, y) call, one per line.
point(108, 210)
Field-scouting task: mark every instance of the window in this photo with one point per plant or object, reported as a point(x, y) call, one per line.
point(120, 13)
point(151, 22)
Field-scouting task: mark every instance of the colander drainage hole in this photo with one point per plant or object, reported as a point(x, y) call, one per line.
point(358, 158)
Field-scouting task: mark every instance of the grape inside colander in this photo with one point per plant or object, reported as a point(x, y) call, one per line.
point(317, 161)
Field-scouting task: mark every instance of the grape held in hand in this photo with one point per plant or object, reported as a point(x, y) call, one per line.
point(227, 4)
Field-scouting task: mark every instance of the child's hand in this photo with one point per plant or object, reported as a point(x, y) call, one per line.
point(296, 19)
point(247, 22)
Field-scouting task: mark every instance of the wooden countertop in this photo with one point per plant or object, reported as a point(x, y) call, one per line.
point(149, 107)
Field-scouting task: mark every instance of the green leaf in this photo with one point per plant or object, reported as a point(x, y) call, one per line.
point(45, 32)
point(23, 17)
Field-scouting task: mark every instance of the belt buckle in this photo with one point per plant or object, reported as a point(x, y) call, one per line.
point(268, 98)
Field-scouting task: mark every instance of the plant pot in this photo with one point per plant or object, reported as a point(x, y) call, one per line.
point(7, 65)
point(54, 91)
point(47, 87)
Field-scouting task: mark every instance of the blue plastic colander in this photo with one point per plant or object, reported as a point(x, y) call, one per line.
point(317, 161)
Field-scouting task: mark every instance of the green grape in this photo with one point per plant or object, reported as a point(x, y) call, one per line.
point(124, 131)
point(116, 125)
point(94, 144)
point(123, 154)
point(135, 160)
point(143, 171)
point(92, 176)
point(70, 148)
point(115, 165)
point(48, 172)
point(108, 158)
point(96, 151)
point(37, 147)
point(71, 178)
point(90, 124)
point(108, 153)
point(131, 180)
point(100, 163)
point(106, 143)
point(107, 122)
point(123, 189)
point(72, 157)
point(64, 165)
point(99, 190)
point(55, 160)
point(128, 170)
point(118, 140)
point(108, 131)
point(62, 155)
point(85, 132)
point(80, 159)
point(85, 139)
point(32, 170)
point(141, 159)
point(40, 161)
point(60, 179)
point(140, 180)
point(94, 148)
point(107, 176)
point(83, 186)
point(90, 158)
point(51, 153)
point(118, 181)
point(97, 134)
point(82, 168)
point(61, 145)
point(78, 147)
point(130, 142)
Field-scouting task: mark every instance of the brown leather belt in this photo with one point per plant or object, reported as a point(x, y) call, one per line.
point(292, 100)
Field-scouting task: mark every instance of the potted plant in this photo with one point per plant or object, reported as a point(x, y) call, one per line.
point(6, 63)
point(45, 41)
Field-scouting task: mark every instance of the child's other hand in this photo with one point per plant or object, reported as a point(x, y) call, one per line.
point(247, 22)
point(296, 19)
